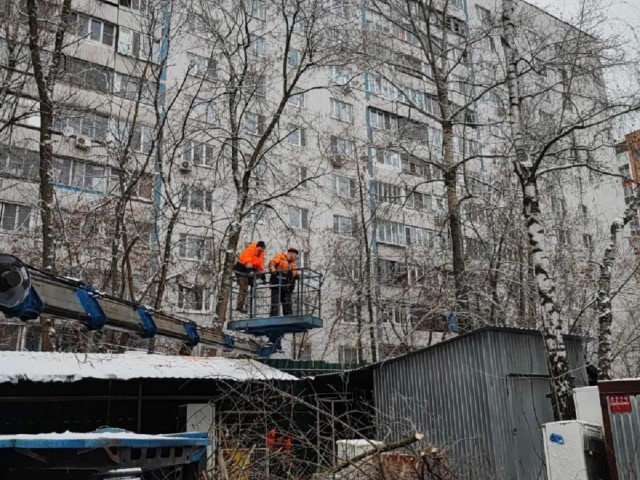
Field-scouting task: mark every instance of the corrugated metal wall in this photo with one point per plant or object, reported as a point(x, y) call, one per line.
point(625, 430)
point(483, 396)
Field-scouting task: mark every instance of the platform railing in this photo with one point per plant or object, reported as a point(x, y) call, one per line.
point(267, 298)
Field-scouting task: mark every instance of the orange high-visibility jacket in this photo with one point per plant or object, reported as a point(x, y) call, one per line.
point(280, 263)
point(252, 257)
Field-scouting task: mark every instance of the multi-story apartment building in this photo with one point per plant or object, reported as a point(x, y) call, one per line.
point(184, 130)
point(629, 166)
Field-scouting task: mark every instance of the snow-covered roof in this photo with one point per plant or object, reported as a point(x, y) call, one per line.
point(72, 367)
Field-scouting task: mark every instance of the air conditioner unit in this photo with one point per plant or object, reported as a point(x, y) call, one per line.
point(574, 449)
point(186, 166)
point(83, 143)
point(338, 161)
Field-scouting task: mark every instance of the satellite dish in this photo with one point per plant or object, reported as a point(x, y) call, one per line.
point(68, 131)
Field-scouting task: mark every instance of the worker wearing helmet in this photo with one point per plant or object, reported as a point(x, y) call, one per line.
point(284, 272)
point(249, 265)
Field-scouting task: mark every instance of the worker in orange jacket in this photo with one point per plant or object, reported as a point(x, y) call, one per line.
point(284, 273)
point(250, 264)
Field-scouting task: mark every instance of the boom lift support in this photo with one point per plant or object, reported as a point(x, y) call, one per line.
point(27, 292)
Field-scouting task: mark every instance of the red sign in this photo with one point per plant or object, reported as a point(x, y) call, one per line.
point(620, 404)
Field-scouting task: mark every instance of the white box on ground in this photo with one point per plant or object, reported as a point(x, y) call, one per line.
point(573, 450)
point(201, 417)
point(348, 449)
point(588, 408)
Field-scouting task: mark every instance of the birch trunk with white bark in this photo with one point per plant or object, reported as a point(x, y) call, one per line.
point(605, 316)
point(551, 323)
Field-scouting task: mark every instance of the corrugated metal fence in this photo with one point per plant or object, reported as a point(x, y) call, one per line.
point(481, 396)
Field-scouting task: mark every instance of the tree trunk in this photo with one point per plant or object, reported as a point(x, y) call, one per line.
point(227, 272)
point(562, 382)
point(605, 316)
point(45, 82)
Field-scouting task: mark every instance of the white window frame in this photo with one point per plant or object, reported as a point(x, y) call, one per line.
point(352, 352)
point(341, 111)
point(297, 136)
point(343, 186)
point(22, 217)
point(298, 218)
point(343, 226)
point(391, 233)
point(198, 153)
point(86, 22)
point(388, 158)
point(294, 58)
point(201, 66)
point(258, 47)
point(205, 302)
point(254, 123)
point(138, 45)
point(339, 75)
point(191, 203)
point(257, 9)
point(195, 247)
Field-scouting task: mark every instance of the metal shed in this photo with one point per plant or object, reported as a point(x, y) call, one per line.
point(482, 395)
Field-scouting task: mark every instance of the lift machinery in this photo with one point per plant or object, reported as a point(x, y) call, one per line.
point(27, 292)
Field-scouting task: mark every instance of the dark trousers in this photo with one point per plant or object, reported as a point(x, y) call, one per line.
point(245, 278)
point(280, 294)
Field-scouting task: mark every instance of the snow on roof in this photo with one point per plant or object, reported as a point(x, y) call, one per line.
point(72, 367)
point(101, 438)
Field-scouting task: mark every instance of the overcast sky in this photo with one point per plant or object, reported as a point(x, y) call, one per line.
point(622, 19)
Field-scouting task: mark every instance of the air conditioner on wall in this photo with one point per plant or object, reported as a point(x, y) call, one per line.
point(338, 161)
point(83, 143)
point(186, 166)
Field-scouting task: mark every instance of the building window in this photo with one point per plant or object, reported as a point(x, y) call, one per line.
point(94, 29)
point(346, 311)
point(298, 136)
point(201, 66)
point(455, 25)
point(415, 166)
point(79, 175)
point(198, 153)
point(140, 185)
point(140, 5)
point(345, 187)
point(258, 47)
point(341, 146)
point(299, 218)
point(558, 205)
point(419, 201)
point(388, 193)
point(383, 120)
point(587, 241)
point(202, 109)
point(196, 298)
point(87, 75)
point(298, 175)
point(14, 217)
point(296, 100)
point(197, 199)
point(393, 313)
point(141, 137)
point(254, 123)
point(392, 233)
point(195, 248)
point(339, 75)
point(305, 351)
point(89, 124)
point(348, 355)
point(17, 163)
point(484, 15)
point(387, 157)
point(341, 111)
point(257, 9)
point(133, 88)
point(564, 237)
point(294, 57)
point(343, 226)
point(138, 45)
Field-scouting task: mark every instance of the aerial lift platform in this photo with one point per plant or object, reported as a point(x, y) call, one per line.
point(27, 292)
